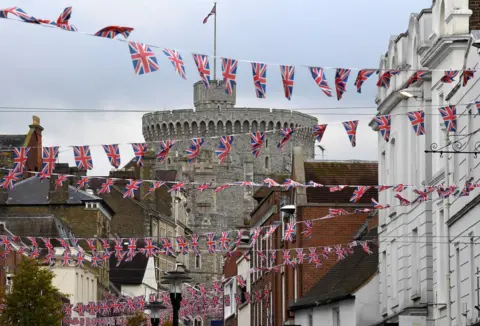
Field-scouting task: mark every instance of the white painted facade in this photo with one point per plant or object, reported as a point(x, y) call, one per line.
point(148, 285)
point(243, 311)
point(362, 310)
point(420, 272)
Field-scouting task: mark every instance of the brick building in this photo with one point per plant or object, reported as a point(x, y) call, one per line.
point(290, 284)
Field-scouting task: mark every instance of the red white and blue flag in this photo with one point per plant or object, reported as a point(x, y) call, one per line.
point(449, 116)
point(467, 75)
point(362, 76)
point(224, 241)
point(286, 134)
point(165, 147)
point(225, 147)
point(61, 178)
point(417, 119)
point(177, 62)
point(82, 183)
point(149, 249)
point(256, 139)
point(19, 13)
point(201, 60)
point(63, 20)
point(211, 13)
point(289, 231)
point(229, 73)
point(449, 76)
point(49, 156)
point(211, 243)
point(384, 80)
point(308, 228)
point(384, 126)
point(131, 188)
point(8, 181)
point(106, 186)
point(318, 131)
point(139, 150)
point(351, 129)
point(183, 245)
point(288, 76)
point(83, 157)
point(143, 58)
point(194, 149)
point(177, 187)
point(341, 79)
point(318, 76)
point(20, 157)
point(204, 186)
point(417, 76)
point(113, 154)
point(112, 31)
point(260, 78)
point(358, 193)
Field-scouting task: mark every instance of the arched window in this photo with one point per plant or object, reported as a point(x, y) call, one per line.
point(246, 126)
point(270, 125)
point(171, 129)
point(178, 128)
point(194, 128)
point(238, 127)
point(279, 125)
point(266, 163)
point(254, 126)
point(262, 126)
point(266, 143)
point(228, 127)
point(168, 161)
point(220, 128)
point(186, 128)
point(203, 128)
point(211, 128)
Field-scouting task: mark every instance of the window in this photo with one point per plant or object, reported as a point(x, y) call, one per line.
point(336, 316)
point(392, 161)
point(472, 273)
point(266, 162)
point(261, 312)
point(198, 263)
point(271, 308)
point(414, 264)
point(394, 270)
point(295, 284)
point(266, 143)
point(283, 297)
point(441, 249)
point(383, 271)
point(458, 281)
point(229, 290)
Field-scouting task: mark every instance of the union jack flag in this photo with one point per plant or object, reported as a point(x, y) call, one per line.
point(201, 60)
point(376, 204)
point(19, 13)
point(82, 183)
point(83, 157)
point(92, 308)
point(224, 148)
point(286, 257)
point(337, 188)
point(112, 31)
point(224, 241)
point(183, 245)
point(204, 186)
point(20, 157)
point(113, 154)
point(270, 231)
point(319, 77)
point(149, 249)
point(194, 149)
point(63, 20)
point(362, 76)
point(449, 116)
point(288, 76)
point(9, 180)
point(384, 125)
point(167, 246)
point(211, 243)
point(403, 201)
point(417, 119)
point(139, 150)
point(312, 256)
point(467, 75)
point(290, 184)
point(132, 246)
point(79, 308)
point(256, 139)
point(229, 73)
point(384, 80)
point(337, 212)
point(177, 187)
point(61, 178)
point(318, 131)
point(449, 76)
point(366, 248)
point(211, 13)
point(308, 225)
point(341, 78)
point(240, 281)
point(143, 58)
point(106, 186)
point(417, 76)
point(260, 78)
point(289, 232)
point(221, 188)
point(34, 253)
point(400, 187)
point(286, 134)
point(358, 193)
point(165, 147)
point(270, 183)
point(340, 252)
point(131, 188)
point(154, 186)
point(177, 62)
point(351, 129)
point(80, 258)
point(49, 155)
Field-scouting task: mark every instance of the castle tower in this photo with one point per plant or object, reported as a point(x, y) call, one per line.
point(214, 97)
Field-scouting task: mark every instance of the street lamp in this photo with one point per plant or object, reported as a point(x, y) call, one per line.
point(154, 312)
point(175, 279)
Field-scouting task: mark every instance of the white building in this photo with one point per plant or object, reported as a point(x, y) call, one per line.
point(427, 256)
point(243, 310)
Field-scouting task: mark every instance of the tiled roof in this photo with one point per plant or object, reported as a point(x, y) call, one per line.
point(344, 278)
point(47, 226)
point(11, 141)
point(340, 173)
point(33, 191)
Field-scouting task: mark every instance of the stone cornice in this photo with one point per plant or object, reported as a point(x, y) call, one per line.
point(442, 48)
point(464, 210)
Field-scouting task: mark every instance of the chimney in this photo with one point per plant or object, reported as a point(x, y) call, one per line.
point(35, 160)
point(60, 195)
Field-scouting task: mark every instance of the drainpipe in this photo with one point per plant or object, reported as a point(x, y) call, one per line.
point(446, 203)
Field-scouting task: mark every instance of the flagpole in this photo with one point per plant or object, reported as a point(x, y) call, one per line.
point(215, 43)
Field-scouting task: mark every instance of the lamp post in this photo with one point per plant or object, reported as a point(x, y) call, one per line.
point(154, 308)
point(174, 280)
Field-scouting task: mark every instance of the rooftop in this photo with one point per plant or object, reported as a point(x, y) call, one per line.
point(131, 272)
point(344, 278)
point(8, 141)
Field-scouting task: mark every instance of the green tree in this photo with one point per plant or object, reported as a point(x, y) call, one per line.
point(139, 319)
point(33, 299)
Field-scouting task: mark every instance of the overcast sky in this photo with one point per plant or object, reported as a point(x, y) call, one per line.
point(52, 68)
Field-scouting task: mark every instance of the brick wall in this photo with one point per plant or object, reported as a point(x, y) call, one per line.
point(474, 5)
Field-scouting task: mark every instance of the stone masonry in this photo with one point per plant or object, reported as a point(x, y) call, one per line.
point(215, 115)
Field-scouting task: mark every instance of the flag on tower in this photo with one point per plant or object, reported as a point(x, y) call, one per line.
point(212, 12)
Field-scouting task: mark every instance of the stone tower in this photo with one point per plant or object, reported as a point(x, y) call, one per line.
point(215, 115)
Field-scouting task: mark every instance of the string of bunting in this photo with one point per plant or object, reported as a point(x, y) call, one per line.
point(145, 61)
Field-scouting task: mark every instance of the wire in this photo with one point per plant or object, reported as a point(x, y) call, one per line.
point(220, 57)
